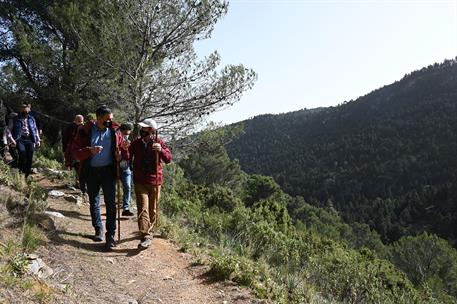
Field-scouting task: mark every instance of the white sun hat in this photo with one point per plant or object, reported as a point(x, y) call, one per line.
point(148, 123)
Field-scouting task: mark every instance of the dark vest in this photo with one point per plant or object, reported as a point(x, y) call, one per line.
point(17, 128)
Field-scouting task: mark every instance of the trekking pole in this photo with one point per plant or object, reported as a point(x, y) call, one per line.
point(118, 203)
point(157, 159)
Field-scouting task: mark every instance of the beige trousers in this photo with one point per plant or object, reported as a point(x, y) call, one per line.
point(147, 202)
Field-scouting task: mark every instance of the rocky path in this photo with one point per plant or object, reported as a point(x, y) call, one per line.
point(85, 273)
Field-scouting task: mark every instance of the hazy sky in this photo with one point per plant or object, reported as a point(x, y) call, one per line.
point(320, 53)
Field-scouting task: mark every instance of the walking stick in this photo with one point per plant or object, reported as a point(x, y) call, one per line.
point(157, 158)
point(119, 197)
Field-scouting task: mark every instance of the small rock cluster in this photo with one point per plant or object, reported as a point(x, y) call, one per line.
point(39, 268)
point(68, 197)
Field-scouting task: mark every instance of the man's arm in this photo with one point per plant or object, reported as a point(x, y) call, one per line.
point(8, 134)
point(79, 148)
point(165, 154)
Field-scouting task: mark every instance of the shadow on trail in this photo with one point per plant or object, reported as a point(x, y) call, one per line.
point(59, 239)
point(207, 278)
point(72, 214)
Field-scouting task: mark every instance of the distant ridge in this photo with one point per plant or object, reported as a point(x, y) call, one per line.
point(388, 158)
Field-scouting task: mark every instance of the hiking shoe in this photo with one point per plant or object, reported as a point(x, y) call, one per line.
point(110, 242)
point(127, 212)
point(144, 244)
point(98, 235)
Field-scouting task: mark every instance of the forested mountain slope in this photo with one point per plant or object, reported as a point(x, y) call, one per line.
point(388, 159)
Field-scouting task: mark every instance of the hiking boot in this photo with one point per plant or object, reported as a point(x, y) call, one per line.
point(99, 235)
point(145, 243)
point(127, 212)
point(110, 242)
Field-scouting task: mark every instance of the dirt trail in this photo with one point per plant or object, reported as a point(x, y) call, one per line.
point(86, 273)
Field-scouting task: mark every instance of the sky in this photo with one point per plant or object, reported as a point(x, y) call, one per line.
point(310, 53)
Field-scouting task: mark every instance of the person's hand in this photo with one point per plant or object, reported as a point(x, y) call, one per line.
point(157, 147)
point(95, 150)
point(125, 144)
point(117, 156)
point(13, 143)
point(38, 144)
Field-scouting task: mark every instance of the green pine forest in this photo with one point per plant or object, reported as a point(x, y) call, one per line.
point(289, 250)
point(386, 159)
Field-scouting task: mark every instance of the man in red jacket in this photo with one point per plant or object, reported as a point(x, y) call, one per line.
point(146, 180)
point(96, 146)
point(67, 139)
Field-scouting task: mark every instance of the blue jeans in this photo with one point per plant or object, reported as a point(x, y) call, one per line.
point(104, 178)
point(25, 148)
point(126, 178)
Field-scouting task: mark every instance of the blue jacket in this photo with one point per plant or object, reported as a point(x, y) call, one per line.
point(17, 128)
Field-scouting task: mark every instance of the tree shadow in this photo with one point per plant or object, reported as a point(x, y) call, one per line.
point(57, 238)
point(208, 277)
point(72, 214)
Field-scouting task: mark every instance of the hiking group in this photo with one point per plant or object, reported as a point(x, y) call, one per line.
point(100, 152)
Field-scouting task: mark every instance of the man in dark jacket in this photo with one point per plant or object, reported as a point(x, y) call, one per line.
point(22, 133)
point(96, 146)
point(146, 180)
point(67, 139)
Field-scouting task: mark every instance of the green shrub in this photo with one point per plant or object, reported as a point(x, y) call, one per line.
point(427, 259)
point(40, 161)
point(222, 198)
point(32, 238)
point(259, 187)
point(353, 277)
point(18, 264)
point(51, 153)
point(273, 213)
point(235, 268)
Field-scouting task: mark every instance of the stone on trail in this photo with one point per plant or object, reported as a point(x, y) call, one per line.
point(38, 267)
point(56, 194)
point(54, 172)
point(45, 272)
point(31, 256)
point(35, 266)
point(71, 187)
point(71, 198)
point(54, 214)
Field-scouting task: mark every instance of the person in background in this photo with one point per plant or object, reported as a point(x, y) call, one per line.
point(11, 148)
point(125, 171)
point(96, 146)
point(67, 139)
point(146, 180)
point(22, 133)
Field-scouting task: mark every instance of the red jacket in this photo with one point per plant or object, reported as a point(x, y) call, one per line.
point(67, 140)
point(144, 165)
point(80, 148)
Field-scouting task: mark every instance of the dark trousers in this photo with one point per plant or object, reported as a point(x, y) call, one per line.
point(25, 148)
point(104, 178)
point(81, 180)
